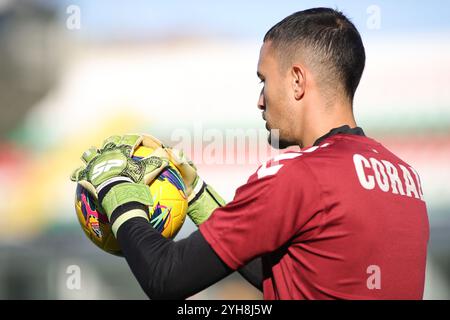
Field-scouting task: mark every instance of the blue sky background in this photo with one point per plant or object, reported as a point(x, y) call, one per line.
point(243, 19)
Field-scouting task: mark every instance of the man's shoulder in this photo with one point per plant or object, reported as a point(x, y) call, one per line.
point(340, 146)
point(345, 144)
point(288, 164)
point(310, 162)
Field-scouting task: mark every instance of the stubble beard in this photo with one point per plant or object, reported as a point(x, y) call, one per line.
point(276, 141)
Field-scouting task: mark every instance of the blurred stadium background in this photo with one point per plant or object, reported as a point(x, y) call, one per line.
point(159, 67)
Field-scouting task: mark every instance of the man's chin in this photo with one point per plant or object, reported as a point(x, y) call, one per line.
point(278, 143)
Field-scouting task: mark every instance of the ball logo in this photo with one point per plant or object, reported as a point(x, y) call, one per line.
point(91, 216)
point(105, 166)
point(173, 177)
point(160, 217)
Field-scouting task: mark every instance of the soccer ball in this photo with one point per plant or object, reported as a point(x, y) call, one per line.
point(167, 214)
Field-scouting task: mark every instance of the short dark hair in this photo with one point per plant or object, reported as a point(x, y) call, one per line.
point(333, 42)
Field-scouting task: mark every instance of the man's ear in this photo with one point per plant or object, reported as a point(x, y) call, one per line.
point(298, 81)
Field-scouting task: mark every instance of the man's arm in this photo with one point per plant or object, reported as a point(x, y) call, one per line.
point(253, 273)
point(168, 269)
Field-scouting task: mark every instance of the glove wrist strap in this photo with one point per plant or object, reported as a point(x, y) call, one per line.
point(198, 190)
point(205, 202)
point(123, 193)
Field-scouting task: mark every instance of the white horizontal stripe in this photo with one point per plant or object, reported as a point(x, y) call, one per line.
point(104, 184)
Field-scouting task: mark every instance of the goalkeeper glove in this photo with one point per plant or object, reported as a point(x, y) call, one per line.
point(202, 198)
point(113, 177)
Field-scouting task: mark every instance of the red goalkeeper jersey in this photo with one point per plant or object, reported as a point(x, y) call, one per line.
point(345, 219)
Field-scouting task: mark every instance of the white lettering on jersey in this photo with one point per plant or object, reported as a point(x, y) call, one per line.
point(409, 183)
point(311, 149)
point(380, 174)
point(419, 183)
point(265, 171)
point(368, 182)
point(393, 176)
point(385, 175)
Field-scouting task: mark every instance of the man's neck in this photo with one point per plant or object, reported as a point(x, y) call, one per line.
point(325, 127)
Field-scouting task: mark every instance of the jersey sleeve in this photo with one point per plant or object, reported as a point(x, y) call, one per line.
point(266, 212)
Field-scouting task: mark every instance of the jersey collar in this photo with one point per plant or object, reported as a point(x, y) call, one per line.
point(344, 129)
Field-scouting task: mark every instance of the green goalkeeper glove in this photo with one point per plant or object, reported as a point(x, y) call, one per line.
point(202, 198)
point(113, 177)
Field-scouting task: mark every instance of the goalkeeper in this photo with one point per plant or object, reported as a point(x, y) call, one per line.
point(344, 218)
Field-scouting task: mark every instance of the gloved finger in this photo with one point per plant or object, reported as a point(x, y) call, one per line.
point(151, 142)
point(189, 162)
point(184, 159)
point(179, 158)
point(154, 167)
point(186, 167)
point(77, 173)
point(160, 153)
point(136, 140)
point(89, 154)
point(130, 139)
point(176, 156)
point(115, 140)
point(89, 187)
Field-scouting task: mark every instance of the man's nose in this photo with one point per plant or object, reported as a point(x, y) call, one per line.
point(261, 101)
